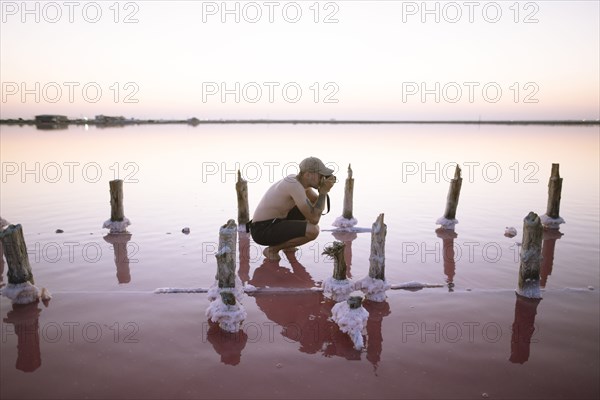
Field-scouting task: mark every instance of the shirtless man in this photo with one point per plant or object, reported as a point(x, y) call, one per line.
point(289, 213)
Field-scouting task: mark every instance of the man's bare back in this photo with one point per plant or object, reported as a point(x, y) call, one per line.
point(281, 198)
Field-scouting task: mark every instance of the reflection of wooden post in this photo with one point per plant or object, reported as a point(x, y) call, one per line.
point(15, 251)
point(550, 237)
point(552, 219)
point(377, 258)
point(119, 243)
point(117, 212)
point(448, 237)
point(244, 246)
point(377, 311)
point(336, 251)
point(531, 252)
point(449, 219)
point(226, 255)
point(348, 195)
point(228, 345)
point(523, 328)
point(25, 318)
point(241, 187)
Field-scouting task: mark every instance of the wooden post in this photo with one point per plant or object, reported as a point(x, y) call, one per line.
point(453, 195)
point(531, 257)
point(348, 195)
point(377, 258)
point(346, 238)
point(117, 223)
point(226, 255)
point(15, 251)
point(552, 218)
point(554, 192)
point(336, 251)
point(117, 212)
point(241, 187)
point(355, 302)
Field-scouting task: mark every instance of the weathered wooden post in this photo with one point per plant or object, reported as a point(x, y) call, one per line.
point(226, 255)
point(224, 309)
point(377, 258)
point(348, 195)
point(20, 288)
point(531, 257)
point(374, 285)
point(336, 252)
point(117, 223)
point(448, 221)
point(119, 243)
point(241, 187)
point(550, 237)
point(347, 219)
point(337, 287)
point(523, 328)
point(552, 219)
point(347, 238)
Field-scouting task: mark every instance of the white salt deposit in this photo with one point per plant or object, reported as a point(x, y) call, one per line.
point(447, 223)
point(117, 226)
point(21, 293)
point(551, 223)
point(3, 223)
point(238, 291)
point(350, 321)
point(415, 285)
point(165, 290)
point(337, 290)
point(45, 294)
point(531, 289)
point(374, 289)
point(228, 317)
point(248, 288)
point(344, 223)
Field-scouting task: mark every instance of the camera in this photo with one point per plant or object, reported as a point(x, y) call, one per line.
point(329, 176)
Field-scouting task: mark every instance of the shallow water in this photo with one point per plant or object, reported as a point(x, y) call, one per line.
point(180, 176)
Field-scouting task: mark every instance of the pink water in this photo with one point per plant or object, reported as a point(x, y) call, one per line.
point(151, 346)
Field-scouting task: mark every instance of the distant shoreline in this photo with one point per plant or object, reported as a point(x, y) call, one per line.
point(196, 122)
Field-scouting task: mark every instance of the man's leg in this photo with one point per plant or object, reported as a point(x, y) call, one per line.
point(272, 252)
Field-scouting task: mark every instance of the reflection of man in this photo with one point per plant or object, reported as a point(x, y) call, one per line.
point(289, 212)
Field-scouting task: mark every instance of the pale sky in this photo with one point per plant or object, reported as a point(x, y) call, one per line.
point(305, 59)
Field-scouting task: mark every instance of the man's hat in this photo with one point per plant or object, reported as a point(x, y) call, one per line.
point(313, 164)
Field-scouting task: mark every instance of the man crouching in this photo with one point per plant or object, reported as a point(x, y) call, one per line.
point(288, 214)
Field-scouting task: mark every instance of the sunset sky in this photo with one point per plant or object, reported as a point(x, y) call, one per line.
point(306, 59)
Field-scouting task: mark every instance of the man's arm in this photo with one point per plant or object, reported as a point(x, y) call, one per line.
point(311, 210)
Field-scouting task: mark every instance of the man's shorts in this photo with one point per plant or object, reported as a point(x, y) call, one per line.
point(279, 230)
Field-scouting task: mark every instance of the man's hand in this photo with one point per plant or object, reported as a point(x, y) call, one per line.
point(325, 184)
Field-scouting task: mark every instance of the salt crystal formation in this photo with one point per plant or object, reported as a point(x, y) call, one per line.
point(228, 316)
point(337, 290)
point(25, 293)
point(351, 321)
point(374, 289)
point(117, 226)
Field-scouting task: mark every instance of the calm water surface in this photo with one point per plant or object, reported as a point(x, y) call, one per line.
point(158, 346)
point(179, 176)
